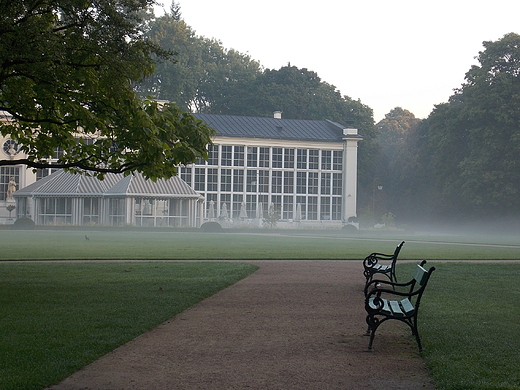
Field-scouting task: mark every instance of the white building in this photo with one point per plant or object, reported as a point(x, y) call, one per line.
point(305, 169)
point(63, 198)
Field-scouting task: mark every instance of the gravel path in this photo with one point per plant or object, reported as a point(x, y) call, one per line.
point(290, 325)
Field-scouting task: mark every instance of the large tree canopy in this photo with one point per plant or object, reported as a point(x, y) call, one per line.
point(462, 163)
point(475, 138)
point(396, 163)
point(205, 73)
point(67, 72)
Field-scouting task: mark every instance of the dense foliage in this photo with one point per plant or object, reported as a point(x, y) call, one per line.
point(67, 70)
point(462, 162)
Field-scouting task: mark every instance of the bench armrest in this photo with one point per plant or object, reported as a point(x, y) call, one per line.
point(374, 283)
point(384, 291)
point(373, 258)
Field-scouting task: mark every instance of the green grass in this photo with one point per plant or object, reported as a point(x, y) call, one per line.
point(320, 244)
point(56, 318)
point(470, 325)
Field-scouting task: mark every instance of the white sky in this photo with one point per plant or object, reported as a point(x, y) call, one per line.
point(404, 53)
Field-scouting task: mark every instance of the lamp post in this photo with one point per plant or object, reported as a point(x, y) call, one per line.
point(379, 188)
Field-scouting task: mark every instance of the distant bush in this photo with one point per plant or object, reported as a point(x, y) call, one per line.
point(350, 228)
point(24, 223)
point(211, 227)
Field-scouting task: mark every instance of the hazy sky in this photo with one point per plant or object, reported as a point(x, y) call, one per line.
point(405, 53)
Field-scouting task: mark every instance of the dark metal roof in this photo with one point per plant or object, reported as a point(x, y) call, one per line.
point(273, 128)
point(62, 183)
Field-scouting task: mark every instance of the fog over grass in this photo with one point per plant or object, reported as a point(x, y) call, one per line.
point(133, 244)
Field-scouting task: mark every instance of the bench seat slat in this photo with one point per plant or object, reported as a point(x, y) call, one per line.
point(407, 306)
point(396, 308)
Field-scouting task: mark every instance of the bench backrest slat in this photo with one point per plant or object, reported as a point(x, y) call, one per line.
point(420, 275)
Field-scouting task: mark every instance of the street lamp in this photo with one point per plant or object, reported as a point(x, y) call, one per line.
point(379, 188)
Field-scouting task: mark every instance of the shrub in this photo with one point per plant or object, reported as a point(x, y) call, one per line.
point(350, 228)
point(211, 227)
point(24, 223)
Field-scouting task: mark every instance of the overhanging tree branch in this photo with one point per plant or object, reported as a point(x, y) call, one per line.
point(78, 164)
point(76, 65)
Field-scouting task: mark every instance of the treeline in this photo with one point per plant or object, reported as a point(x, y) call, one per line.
point(459, 164)
point(462, 163)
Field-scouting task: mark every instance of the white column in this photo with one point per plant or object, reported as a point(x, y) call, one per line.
point(351, 138)
point(201, 212)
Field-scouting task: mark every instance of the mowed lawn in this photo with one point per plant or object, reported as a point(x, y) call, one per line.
point(179, 245)
point(470, 325)
point(57, 317)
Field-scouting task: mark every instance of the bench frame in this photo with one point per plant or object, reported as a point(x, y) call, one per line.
point(399, 302)
point(372, 266)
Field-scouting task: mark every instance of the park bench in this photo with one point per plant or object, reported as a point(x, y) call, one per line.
point(372, 266)
point(396, 301)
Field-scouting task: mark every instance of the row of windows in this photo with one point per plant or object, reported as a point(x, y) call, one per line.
point(242, 181)
point(273, 157)
point(297, 208)
point(154, 212)
point(147, 212)
point(258, 180)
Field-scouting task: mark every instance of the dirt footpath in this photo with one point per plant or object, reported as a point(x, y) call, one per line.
point(290, 325)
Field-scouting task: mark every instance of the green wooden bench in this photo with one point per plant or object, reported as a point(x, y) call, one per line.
point(386, 300)
point(372, 266)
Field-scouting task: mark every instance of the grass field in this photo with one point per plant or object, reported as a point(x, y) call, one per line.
point(470, 326)
point(56, 317)
point(320, 244)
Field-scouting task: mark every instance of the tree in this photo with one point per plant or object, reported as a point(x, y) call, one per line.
point(491, 100)
point(271, 217)
point(476, 136)
point(395, 157)
point(67, 71)
point(204, 71)
point(393, 130)
point(461, 163)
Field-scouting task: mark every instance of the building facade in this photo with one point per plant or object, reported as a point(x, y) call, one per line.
point(305, 170)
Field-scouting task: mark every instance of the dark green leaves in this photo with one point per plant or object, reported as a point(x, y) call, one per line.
point(67, 70)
